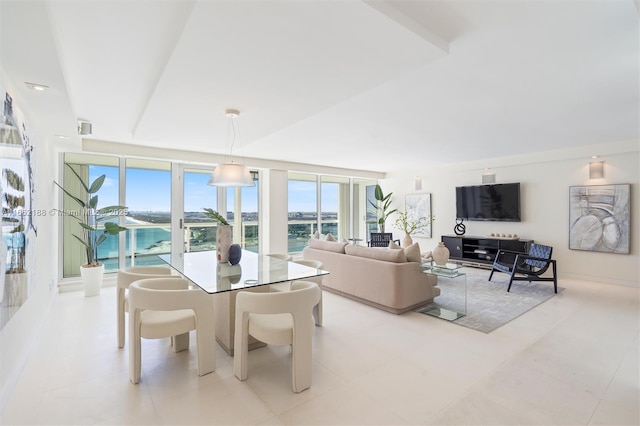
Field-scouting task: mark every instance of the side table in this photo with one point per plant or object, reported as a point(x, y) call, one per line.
point(452, 272)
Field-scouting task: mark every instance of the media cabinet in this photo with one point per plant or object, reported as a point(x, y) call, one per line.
point(481, 251)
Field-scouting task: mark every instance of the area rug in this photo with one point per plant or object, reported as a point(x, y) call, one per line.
point(489, 306)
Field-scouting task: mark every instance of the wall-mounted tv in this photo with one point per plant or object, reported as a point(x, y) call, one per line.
point(499, 202)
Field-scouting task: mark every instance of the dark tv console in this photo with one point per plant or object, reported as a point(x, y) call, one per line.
point(481, 251)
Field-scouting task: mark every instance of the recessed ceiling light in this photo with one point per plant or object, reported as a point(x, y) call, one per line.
point(594, 156)
point(37, 87)
point(62, 136)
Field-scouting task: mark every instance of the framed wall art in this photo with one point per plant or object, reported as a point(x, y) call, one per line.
point(599, 217)
point(419, 205)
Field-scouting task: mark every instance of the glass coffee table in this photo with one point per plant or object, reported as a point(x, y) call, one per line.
point(453, 304)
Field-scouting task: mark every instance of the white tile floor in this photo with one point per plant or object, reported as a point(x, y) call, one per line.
point(572, 360)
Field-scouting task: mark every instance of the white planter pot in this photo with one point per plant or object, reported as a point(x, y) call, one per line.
point(92, 279)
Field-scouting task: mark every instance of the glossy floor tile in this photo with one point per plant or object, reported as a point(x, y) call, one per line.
point(572, 360)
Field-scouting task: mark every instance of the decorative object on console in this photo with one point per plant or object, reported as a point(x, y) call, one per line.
point(459, 229)
point(599, 218)
point(440, 254)
point(235, 254)
point(418, 206)
point(230, 173)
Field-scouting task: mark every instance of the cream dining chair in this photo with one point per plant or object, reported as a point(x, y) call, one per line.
point(317, 310)
point(125, 277)
point(282, 318)
point(168, 307)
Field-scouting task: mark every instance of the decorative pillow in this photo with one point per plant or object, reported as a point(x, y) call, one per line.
point(426, 256)
point(393, 245)
point(334, 246)
point(412, 253)
point(316, 235)
point(395, 256)
point(330, 237)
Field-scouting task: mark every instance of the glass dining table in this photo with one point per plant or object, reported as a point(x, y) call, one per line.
point(222, 281)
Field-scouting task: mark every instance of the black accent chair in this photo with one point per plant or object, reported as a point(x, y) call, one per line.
point(528, 267)
point(381, 239)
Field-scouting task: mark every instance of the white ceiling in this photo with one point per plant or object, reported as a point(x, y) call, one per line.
point(372, 85)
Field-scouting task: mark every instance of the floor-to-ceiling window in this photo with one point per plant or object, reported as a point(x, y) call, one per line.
point(242, 214)
point(89, 168)
point(199, 230)
point(148, 199)
point(303, 210)
point(335, 206)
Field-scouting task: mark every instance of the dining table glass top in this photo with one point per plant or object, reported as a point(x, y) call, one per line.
point(202, 268)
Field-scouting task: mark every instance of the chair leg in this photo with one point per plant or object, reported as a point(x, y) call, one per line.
point(120, 319)
point(491, 274)
point(181, 342)
point(135, 349)
point(510, 282)
point(241, 346)
point(317, 312)
point(555, 278)
point(301, 363)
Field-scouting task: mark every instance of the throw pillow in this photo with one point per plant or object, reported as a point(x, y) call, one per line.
point(330, 237)
point(316, 235)
point(393, 245)
point(412, 253)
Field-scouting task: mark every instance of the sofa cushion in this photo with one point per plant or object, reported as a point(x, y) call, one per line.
point(334, 246)
point(412, 253)
point(395, 256)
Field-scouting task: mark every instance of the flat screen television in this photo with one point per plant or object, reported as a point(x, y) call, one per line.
point(498, 202)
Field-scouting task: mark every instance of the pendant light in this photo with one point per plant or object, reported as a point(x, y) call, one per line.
point(231, 173)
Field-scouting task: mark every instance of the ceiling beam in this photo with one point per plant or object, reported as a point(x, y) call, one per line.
point(387, 9)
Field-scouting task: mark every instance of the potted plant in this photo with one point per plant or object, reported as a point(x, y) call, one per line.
point(90, 218)
point(382, 207)
point(223, 234)
point(410, 224)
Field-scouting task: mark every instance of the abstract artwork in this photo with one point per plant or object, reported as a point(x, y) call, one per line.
point(419, 205)
point(599, 217)
point(17, 193)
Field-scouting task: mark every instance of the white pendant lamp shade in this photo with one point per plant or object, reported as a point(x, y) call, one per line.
point(231, 174)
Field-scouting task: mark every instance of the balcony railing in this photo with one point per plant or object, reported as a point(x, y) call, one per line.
point(151, 240)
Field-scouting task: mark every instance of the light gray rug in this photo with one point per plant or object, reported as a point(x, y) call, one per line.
point(489, 306)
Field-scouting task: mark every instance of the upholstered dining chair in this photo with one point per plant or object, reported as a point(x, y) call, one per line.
point(282, 318)
point(125, 277)
point(317, 309)
point(527, 267)
point(168, 307)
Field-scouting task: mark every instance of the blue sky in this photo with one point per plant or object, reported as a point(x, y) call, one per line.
point(150, 190)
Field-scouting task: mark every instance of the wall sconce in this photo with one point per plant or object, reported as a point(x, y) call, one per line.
point(596, 169)
point(417, 183)
point(84, 128)
point(488, 177)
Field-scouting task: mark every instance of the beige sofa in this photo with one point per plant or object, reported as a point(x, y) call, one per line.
point(379, 277)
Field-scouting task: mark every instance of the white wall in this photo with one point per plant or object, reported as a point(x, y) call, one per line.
point(20, 333)
point(545, 180)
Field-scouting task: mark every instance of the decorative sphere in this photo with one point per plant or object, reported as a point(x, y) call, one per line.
point(235, 253)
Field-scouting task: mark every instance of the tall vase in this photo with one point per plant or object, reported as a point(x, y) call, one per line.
point(92, 279)
point(440, 254)
point(223, 242)
point(407, 241)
